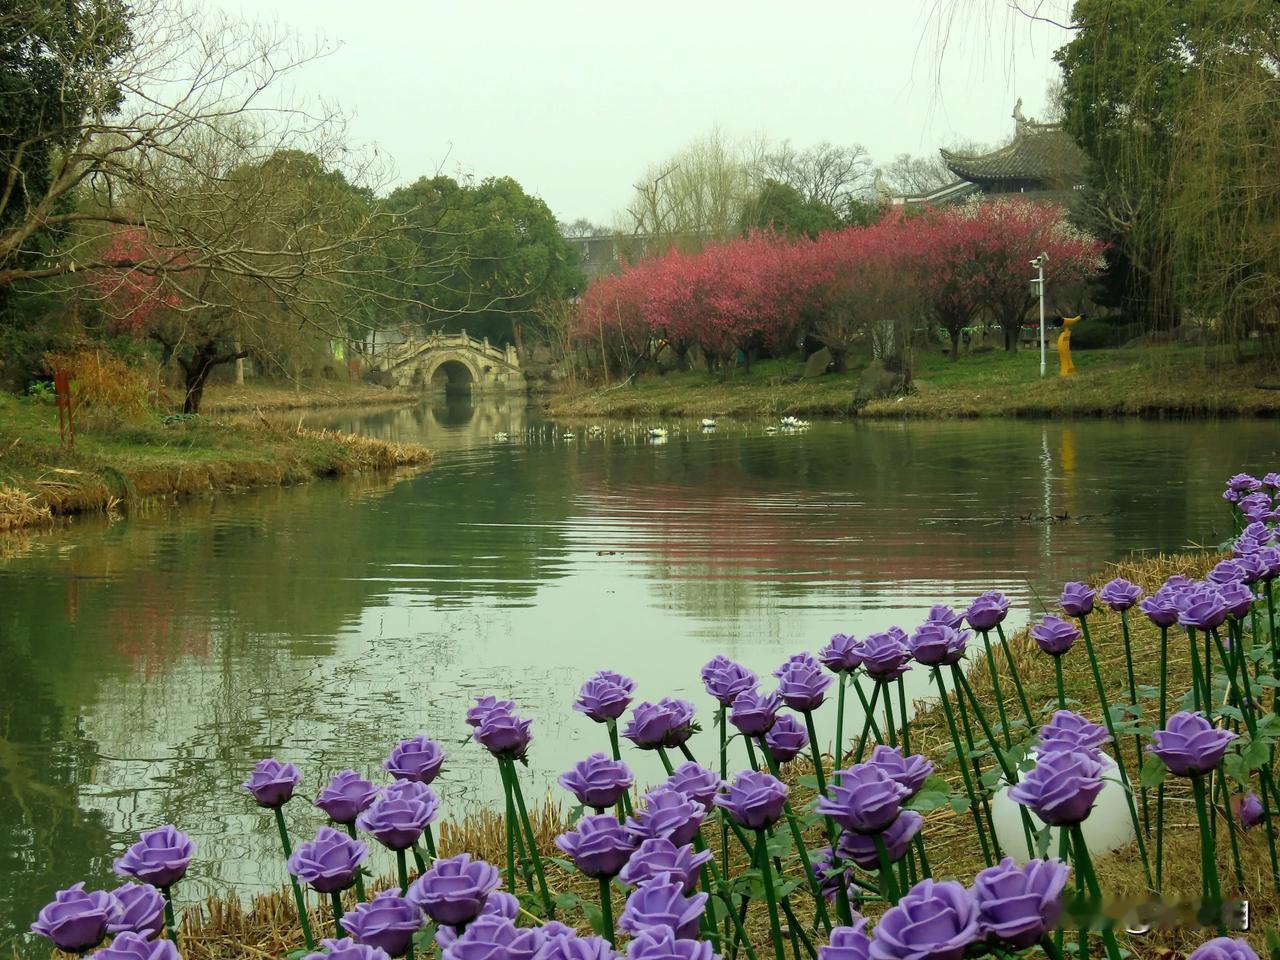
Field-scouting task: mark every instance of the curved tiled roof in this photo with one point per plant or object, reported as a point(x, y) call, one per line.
point(1042, 152)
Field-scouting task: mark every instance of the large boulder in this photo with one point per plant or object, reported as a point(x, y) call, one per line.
point(818, 363)
point(877, 381)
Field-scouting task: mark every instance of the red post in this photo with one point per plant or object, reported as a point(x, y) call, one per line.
point(66, 422)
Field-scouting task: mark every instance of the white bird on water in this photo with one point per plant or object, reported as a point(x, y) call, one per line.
point(656, 432)
point(501, 437)
point(707, 423)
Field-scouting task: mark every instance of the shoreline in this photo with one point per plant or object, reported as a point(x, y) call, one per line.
point(266, 397)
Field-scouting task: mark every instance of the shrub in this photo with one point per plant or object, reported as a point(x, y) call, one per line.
point(105, 389)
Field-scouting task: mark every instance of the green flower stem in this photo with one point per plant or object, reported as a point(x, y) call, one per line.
point(1275, 646)
point(625, 799)
point(1017, 680)
point(402, 872)
point(815, 884)
point(722, 723)
point(335, 898)
point(837, 755)
point(428, 838)
point(995, 688)
point(751, 754)
point(886, 870)
point(1115, 745)
point(1085, 866)
point(1164, 716)
point(351, 832)
point(1224, 798)
point(815, 751)
point(666, 761)
point(510, 822)
point(1210, 889)
point(902, 715)
point(418, 862)
point(977, 768)
point(1198, 698)
point(170, 923)
point(869, 721)
point(533, 845)
point(1133, 702)
point(974, 808)
point(688, 754)
point(738, 919)
point(606, 912)
point(798, 935)
point(299, 900)
point(889, 725)
point(770, 895)
point(1061, 687)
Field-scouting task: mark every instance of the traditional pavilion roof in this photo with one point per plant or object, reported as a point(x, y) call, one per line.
point(1039, 152)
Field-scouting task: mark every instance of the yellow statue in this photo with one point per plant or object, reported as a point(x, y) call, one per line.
point(1065, 367)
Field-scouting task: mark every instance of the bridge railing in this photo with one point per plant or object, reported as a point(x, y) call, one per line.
point(445, 341)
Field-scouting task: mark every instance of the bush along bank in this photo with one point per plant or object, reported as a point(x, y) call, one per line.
point(894, 846)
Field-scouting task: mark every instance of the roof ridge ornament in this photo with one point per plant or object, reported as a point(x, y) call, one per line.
point(1020, 119)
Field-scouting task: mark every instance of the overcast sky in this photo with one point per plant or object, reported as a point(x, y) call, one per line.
point(575, 99)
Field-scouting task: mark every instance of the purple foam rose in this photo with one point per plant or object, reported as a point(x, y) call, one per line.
point(843, 654)
point(1189, 744)
point(160, 857)
point(667, 723)
point(272, 783)
point(754, 713)
point(605, 696)
point(848, 943)
point(861, 848)
point(1223, 948)
point(1201, 607)
point(498, 905)
point(885, 656)
point(725, 679)
point(821, 867)
point(932, 921)
point(662, 903)
point(935, 643)
point(135, 946)
point(1269, 560)
point(1243, 483)
point(329, 862)
point(141, 909)
point(657, 856)
point(987, 610)
point(910, 771)
point(417, 758)
point(504, 734)
point(485, 706)
point(754, 800)
point(1077, 599)
point(570, 946)
point(76, 921)
point(1062, 786)
point(941, 613)
point(1162, 607)
point(802, 683)
point(1055, 635)
point(1237, 598)
point(1250, 812)
point(347, 949)
point(866, 800)
point(660, 943)
point(495, 938)
point(1252, 568)
point(667, 813)
point(1020, 904)
point(1226, 572)
point(397, 820)
point(408, 790)
point(1067, 730)
point(1119, 594)
point(346, 797)
point(599, 781)
point(786, 738)
point(696, 782)
point(599, 845)
point(1246, 546)
point(387, 922)
point(453, 891)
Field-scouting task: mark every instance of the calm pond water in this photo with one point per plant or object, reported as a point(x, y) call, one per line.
point(148, 663)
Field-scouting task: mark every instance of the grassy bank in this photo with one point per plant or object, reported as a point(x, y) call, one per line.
point(227, 398)
point(1147, 382)
point(110, 466)
point(224, 928)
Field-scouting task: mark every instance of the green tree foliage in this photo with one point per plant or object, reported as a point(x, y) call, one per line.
point(784, 209)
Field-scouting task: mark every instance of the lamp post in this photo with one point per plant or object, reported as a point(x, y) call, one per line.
point(1039, 263)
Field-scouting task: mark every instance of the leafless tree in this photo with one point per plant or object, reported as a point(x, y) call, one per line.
point(831, 175)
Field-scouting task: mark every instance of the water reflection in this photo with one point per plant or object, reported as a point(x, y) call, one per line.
point(150, 662)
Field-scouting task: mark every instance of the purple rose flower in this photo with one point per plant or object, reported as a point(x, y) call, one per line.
point(941, 613)
point(504, 734)
point(1120, 594)
point(1230, 496)
point(141, 910)
point(415, 759)
point(1243, 483)
point(1202, 608)
point(1189, 744)
point(346, 797)
point(1250, 813)
point(76, 921)
point(987, 610)
point(387, 922)
point(1271, 481)
point(1020, 904)
point(135, 946)
point(725, 679)
point(695, 782)
point(485, 706)
point(910, 771)
point(786, 738)
point(935, 643)
point(160, 857)
point(1226, 572)
point(1237, 598)
point(861, 848)
point(866, 800)
point(453, 891)
point(933, 921)
point(1161, 608)
point(667, 723)
point(1258, 531)
point(605, 696)
point(842, 655)
point(272, 783)
point(570, 946)
point(660, 943)
point(661, 903)
point(657, 856)
point(1245, 546)
point(1077, 599)
point(495, 938)
point(1223, 948)
point(754, 713)
point(329, 862)
point(600, 846)
point(802, 683)
point(1070, 731)
point(397, 820)
point(498, 905)
point(347, 949)
point(1269, 560)
point(408, 790)
point(669, 814)
point(821, 867)
point(1054, 635)
point(1062, 786)
point(1252, 568)
point(885, 656)
point(754, 800)
point(848, 943)
point(598, 781)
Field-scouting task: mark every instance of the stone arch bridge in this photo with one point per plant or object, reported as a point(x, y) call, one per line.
point(454, 362)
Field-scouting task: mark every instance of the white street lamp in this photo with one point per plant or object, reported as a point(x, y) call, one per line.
point(1039, 263)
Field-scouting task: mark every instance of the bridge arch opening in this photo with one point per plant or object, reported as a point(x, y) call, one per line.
point(452, 376)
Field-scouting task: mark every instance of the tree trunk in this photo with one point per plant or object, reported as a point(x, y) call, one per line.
point(196, 372)
point(1011, 337)
point(954, 333)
